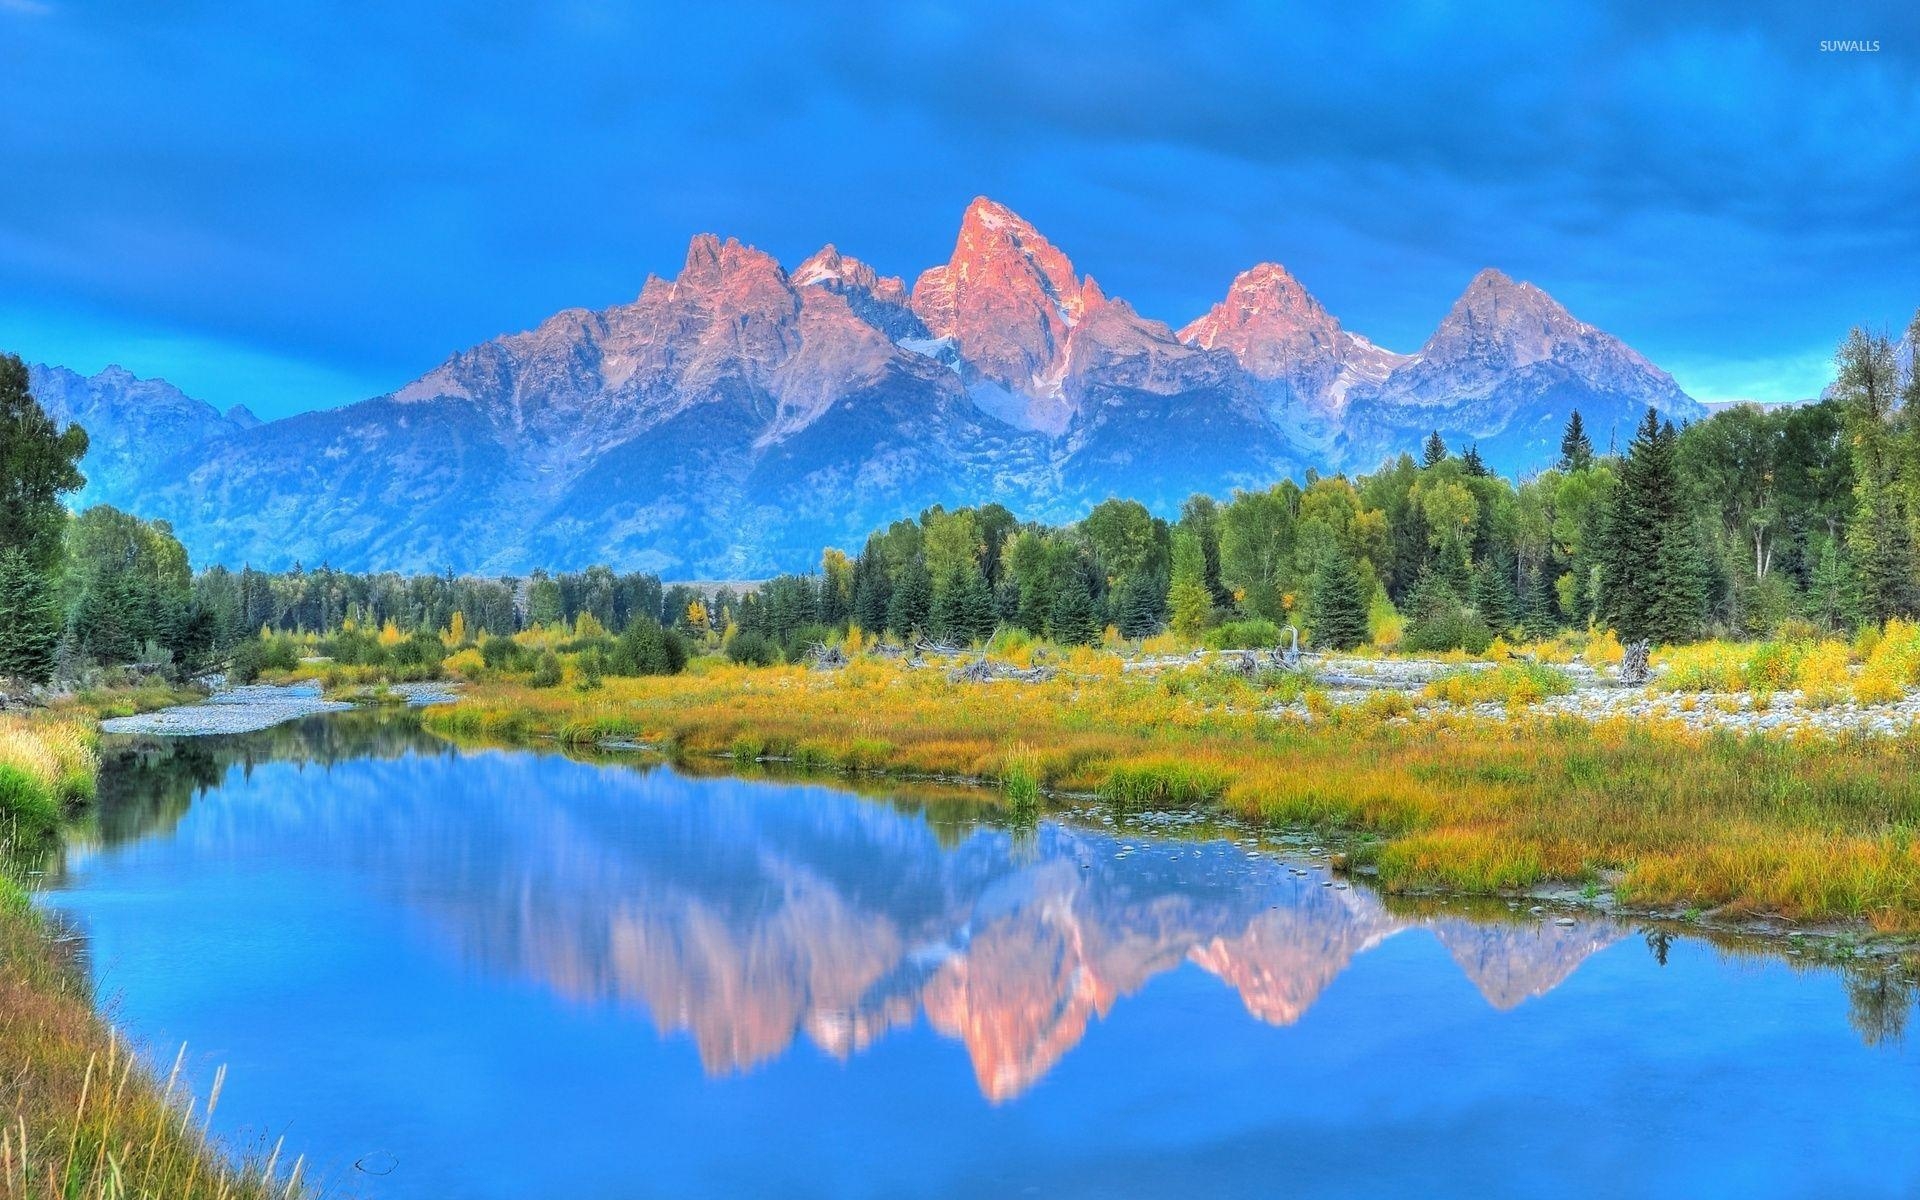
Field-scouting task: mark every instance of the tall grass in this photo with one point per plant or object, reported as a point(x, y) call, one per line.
point(83, 1119)
point(1808, 827)
point(46, 765)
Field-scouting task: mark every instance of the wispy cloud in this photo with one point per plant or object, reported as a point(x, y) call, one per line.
point(26, 8)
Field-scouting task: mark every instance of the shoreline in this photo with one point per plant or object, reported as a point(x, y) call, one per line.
point(253, 707)
point(1800, 830)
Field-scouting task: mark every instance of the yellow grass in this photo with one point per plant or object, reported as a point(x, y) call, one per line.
point(1679, 818)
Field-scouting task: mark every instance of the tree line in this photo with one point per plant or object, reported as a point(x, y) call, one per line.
point(1733, 526)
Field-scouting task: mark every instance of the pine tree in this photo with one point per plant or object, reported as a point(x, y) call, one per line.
point(1635, 523)
point(1540, 607)
point(942, 621)
point(29, 620)
point(1474, 464)
point(907, 607)
point(1339, 603)
point(1492, 597)
point(1072, 620)
point(1576, 449)
point(973, 606)
point(1653, 570)
point(1135, 611)
point(1188, 599)
point(962, 610)
point(1830, 594)
point(870, 593)
point(1677, 608)
point(1434, 451)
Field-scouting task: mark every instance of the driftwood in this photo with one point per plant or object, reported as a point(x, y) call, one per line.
point(887, 650)
point(942, 649)
point(982, 669)
point(1634, 670)
point(821, 657)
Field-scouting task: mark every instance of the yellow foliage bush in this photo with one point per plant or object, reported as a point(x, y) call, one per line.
point(467, 664)
point(1603, 648)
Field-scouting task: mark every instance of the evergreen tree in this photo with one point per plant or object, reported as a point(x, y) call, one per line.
point(972, 604)
point(1474, 464)
point(1654, 572)
point(1830, 593)
point(38, 464)
point(1339, 603)
point(1136, 611)
point(962, 608)
point(29, 620)
point(1492, 597)
point(907, 607)
point(1576, 449)
point(1677, 609)
point(1540, 607)
point(1072, 620)
point(870, 593)
point(1434, 451)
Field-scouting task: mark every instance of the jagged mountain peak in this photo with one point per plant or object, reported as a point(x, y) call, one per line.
point(133, 424)
point(879, 300)
point(712, 261)
point(1266, 319)
point(1505, 368)
point(1511, 322)
point(1283, 336)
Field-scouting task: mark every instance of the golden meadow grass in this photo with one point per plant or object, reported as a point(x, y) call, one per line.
point(1806, 827)
point(83, 1119)
point(46, 764)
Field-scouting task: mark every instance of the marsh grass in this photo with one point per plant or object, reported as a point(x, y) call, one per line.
point(1513, 683)
point(47, 765)
point(83, 1119)
point(1803, 826)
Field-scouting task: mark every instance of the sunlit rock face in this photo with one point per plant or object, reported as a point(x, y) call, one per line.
point(732, 421)
point(1283, 336)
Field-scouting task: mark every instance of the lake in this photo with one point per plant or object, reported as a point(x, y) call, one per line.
point(472, 973)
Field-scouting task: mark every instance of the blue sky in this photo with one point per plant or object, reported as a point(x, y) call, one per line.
point(292, 205)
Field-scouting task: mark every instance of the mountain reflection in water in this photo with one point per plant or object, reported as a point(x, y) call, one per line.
point(745, 916)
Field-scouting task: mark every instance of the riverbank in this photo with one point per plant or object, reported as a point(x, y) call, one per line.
point(84, 1119)
point(1648, 814)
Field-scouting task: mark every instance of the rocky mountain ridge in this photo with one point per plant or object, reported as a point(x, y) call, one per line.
point(732, 421)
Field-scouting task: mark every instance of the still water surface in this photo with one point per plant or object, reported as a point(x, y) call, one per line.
point(447, 974)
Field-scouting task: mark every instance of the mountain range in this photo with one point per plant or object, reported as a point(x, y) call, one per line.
point(732, 421)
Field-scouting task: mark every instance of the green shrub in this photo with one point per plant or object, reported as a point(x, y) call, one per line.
point(1256, 634)
point(753, 649)
point(1450, 629)
point(505, 654)
point(244, 661)
point(546, 672)
point(649, 648)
